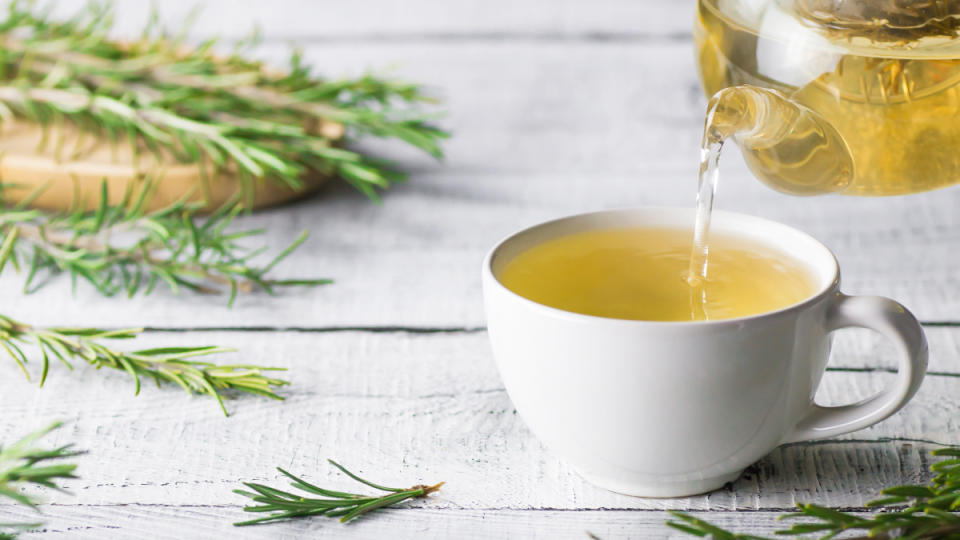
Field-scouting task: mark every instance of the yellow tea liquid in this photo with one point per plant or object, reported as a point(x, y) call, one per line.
point(642, 274)
point(889, 93)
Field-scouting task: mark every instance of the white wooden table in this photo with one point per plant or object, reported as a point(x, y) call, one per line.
point(556, 107)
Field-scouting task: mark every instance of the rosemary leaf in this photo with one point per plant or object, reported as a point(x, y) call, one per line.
point(126, 250)
point(917, 512)
point(178, 365)
point(23, 464)
point(282, 505)
point(196, 105)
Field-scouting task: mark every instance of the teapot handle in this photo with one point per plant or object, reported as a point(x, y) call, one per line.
point(900, 326)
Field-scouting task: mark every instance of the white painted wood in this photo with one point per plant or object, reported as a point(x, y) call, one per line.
point(557, 107)
point(138, 521)
point(410, 408)
point(419, 19)
point(540, 131)
point(394, 265)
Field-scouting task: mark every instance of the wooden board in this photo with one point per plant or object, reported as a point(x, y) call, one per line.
point(425, 407)
point(522, 155)
point(416, 20)
point(208, 521)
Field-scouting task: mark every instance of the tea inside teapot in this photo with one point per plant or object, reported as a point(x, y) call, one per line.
point(854, 97)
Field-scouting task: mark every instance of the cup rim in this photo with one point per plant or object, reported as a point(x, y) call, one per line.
point(830, 286)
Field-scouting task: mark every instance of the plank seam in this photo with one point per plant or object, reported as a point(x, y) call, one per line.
point(880, 440)
point(324, 329)
point(378, 328)
point(746, 510)
point(842, 369)
point(426, 330)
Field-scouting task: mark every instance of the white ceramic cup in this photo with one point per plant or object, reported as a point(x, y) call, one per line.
point(667, 409)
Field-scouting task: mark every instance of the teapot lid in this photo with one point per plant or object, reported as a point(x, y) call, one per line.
point(882, 20)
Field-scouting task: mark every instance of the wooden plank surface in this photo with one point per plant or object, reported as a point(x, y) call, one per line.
point(139, 521)
point(418, 20)
point(430, 407)
point(528, 151)
point(557, 107)
point(401, 264)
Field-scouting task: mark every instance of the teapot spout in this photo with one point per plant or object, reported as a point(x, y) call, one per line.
point(788, 146)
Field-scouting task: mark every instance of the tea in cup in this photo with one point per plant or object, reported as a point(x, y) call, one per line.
point(651, 383)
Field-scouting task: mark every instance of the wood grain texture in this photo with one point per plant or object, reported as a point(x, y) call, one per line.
point(196, 522)
point(391, 20)
point(410, 408)
point(557, 107)
point(540, 131)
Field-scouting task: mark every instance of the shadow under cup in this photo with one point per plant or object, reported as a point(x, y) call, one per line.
point(666, 409)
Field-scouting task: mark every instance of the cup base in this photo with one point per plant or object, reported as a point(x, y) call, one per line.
point(661, 489)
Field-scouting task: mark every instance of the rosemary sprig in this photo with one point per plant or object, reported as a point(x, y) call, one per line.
point(170, 364)
point(347, 506)
point(124, 249)
point(227, 111)
point(22, 464)
point(914, 512)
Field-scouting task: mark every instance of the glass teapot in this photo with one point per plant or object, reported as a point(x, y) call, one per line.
point(859, 97)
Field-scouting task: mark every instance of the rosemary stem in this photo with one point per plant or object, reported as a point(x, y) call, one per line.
point(179, 365)
point(347, 506)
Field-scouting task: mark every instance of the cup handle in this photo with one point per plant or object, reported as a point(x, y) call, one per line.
point(900, 326)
